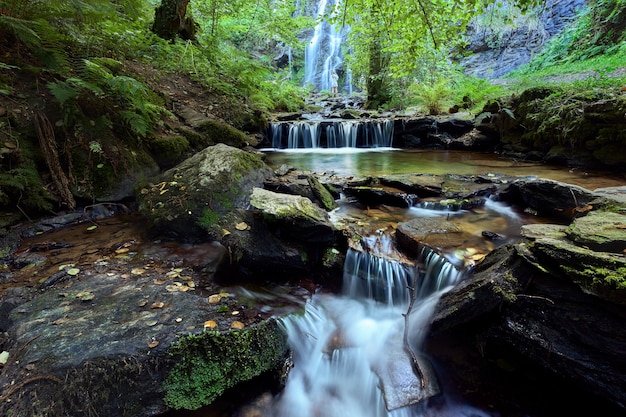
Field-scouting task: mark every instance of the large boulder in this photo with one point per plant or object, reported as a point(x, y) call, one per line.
point(548, 306)
point(133, 342)
point(191, 197)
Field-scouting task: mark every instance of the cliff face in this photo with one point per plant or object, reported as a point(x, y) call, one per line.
point(499, 48)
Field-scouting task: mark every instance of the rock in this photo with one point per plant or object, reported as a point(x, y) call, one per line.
point(549, 307)
point(324, 197)
point(255, 250)
point(434, 232)
point(134, 348)
point(375, 195)
point(600, 231)
point(188, 199)
point(548, 197)
point(424, 185)
point(295, 217)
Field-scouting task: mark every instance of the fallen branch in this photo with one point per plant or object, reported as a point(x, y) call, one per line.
point(407, 345)
point(14, 389)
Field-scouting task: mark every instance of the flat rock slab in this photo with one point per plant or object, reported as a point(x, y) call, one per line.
point(103, 342)
point(601, 231)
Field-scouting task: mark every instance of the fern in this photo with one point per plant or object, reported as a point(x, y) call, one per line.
point(62, 91)
point(22, 29)
point(138, 123)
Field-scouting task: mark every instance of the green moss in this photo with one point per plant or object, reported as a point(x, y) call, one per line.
point(211, 362)
point(169, 151)
point(220, 132)
point(208, 219)
point(197, 141)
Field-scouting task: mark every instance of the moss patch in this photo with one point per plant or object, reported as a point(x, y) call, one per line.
point(211, 362)
point(220, 132)
point(168, 151)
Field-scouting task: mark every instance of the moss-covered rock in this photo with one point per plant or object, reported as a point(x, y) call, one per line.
point(220, 132)
point(211, 362)
point(601, 231)
point(297, 217)
point(187, 200)
point(168, 151)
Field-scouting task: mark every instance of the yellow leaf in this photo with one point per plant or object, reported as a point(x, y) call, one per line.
point(237, 325)
point(163, 191)
point(215, 298)
point(225, 232)
point(158, 304)
point(241, 226)
point(137, 271)
point(210, 324)
point(153, 344)
point(73, 271)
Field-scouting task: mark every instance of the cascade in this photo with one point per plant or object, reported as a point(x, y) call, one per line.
point(323, 53)
point(348, 349)
point(332, 134)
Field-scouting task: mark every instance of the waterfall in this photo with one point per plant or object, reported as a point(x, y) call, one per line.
point(332, 134)
point(348, 349)
point(323, 53)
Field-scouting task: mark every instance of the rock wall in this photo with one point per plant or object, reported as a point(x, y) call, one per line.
point(496, 53)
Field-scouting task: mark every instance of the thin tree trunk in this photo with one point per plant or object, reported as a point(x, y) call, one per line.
point(47, 142)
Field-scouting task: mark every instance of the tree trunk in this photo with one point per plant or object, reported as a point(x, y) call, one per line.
point(377, 83)
point(170, 20)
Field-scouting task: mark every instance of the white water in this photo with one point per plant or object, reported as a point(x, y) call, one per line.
point(341, 340)
point(333, 134)
point(323, 53)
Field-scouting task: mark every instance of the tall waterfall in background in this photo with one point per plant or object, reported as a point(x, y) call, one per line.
point(323, 53)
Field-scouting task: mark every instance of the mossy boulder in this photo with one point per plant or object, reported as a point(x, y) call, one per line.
point(209, 363)
point(600, 231)
point(188, 199)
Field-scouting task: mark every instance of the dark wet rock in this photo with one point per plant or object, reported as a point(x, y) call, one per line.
point(128, 346)
point(374, 195)
point(487, 234)
point(289, 117)
point(190, 198)
point(550, 307)
point(294, 217)
point(548, 197)
point(324, 197)
point(256, 251)
point(424, 185)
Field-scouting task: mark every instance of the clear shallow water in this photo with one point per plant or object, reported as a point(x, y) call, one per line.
point(384, 161)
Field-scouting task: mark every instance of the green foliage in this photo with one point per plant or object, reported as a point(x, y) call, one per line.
point(594, 41)
point(117, 97)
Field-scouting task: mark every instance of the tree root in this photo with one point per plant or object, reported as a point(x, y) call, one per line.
point(15, 388)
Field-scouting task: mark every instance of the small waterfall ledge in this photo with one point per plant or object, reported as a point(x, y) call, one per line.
point(332, 134)
point(350, 356)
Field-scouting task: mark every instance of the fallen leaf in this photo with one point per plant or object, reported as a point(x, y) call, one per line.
point(235, 313)
point(151, 323)
point(142, 303)
point(210, 324)
point(85, 296)
point(73, 271)
point(158, 304)
point(4, 357)
point(137, 271)
point(90, 228)
point(224, 294)
point(237, 325)
point(178, 319)
point(153, 344)
point(159, 281)
point(121, 250)
point(225, 232)
point(241, 226)
point(215, 298)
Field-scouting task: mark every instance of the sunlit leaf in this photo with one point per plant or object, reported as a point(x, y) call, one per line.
point(153, 344)
point(158, 304)
point(90, 228)
point(73, 271)
point(237, 325)
point(215, 298)
point(210, 324)
point(4, 357)
point(241, 226)
point(137, 271)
